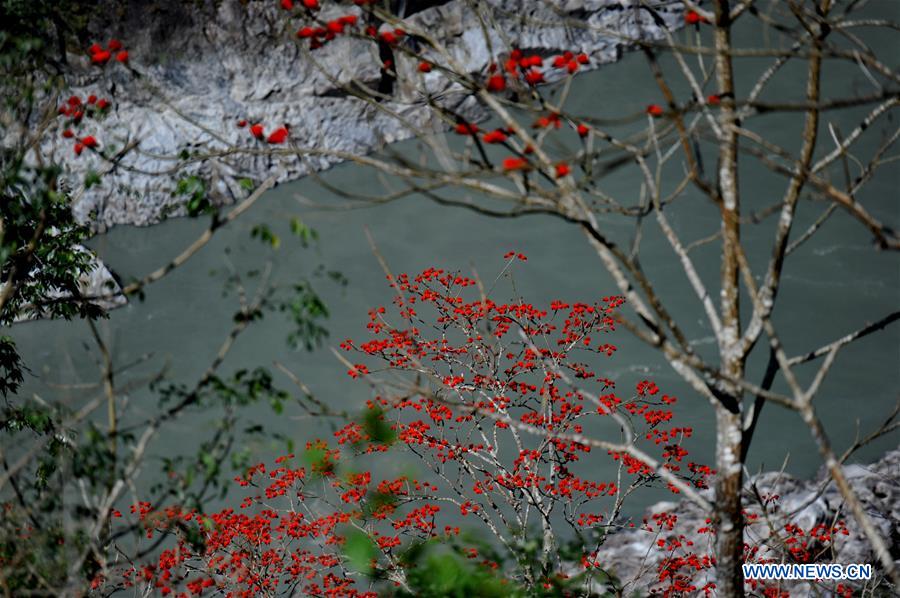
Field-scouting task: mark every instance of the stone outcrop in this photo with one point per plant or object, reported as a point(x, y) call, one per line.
point(198, 68)
point(635, 558)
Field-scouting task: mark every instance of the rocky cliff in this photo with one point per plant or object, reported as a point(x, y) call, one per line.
point(197, 69)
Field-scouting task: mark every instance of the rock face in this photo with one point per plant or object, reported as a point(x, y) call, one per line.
point(199, 68)
point(634, 556)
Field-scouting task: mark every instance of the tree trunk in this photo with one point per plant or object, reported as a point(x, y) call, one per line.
point(728, 516)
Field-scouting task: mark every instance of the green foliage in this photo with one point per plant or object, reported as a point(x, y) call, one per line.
point(39, 249)
point(91, 179)
point(442, 568)
point(265, 234)
point(194, 478)
point(307, 235)
point(29, 416)
point(360, 551)
point(249, 386)
point(377, 501)
point(378, 430)
point(445, 574)
point(318, 461)
point(306, 310)
point(41, 560)
point(194, 189)
point(40, 255)
point(41, 265)
point(10, 366)
point(32, 533)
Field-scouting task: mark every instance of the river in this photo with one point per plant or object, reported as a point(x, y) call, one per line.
point(833, 284)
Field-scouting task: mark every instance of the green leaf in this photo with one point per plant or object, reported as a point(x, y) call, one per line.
point(307, 235)
point(10, 366)
point(195, 189)
point(265, 234)
point(91, 178)
point(377, 428)
point(306, 309)
point(277, 405)
point(314, 456)
point(360, 551)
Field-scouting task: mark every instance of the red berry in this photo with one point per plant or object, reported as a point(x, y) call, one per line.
point(496, 83)
point(278, 135)
point(534, 77)
point(495, 136)
point(510, 164)
point(101, 57)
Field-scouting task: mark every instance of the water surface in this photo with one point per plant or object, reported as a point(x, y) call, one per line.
point(832, 285)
